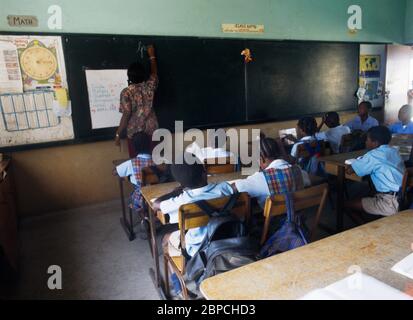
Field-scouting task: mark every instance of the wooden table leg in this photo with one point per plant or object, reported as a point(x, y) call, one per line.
point(340, 197)
point(154, 248)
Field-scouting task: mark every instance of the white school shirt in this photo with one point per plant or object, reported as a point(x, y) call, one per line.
point(334, 136)
point(194, 236)
point(301, 141)
point(125, 169)
point(256, 185)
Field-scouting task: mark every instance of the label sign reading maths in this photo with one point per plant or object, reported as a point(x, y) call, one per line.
point(22, 21)
point(242, 28)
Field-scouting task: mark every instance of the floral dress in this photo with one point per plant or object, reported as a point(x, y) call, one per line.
point(137, 99)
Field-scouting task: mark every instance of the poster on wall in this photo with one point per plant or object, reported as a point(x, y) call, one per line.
point(10, 74)
point(370, 66)
point(34, 98)
point(104, 88)
point(370, 77)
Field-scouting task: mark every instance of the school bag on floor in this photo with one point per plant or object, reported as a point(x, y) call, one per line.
point(226, 246)
point(291, 235)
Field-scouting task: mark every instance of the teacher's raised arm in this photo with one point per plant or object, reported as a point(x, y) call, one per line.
point(136, 103)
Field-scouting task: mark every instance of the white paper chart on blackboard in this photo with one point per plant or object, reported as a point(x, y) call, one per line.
point(104, 88)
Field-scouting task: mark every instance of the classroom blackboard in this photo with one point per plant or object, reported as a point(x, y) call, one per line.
point(201, 81)
point(289, 79)
point(205, 83)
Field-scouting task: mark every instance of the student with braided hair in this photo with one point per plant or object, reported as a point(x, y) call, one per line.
point(306, 130)
point(276, 176)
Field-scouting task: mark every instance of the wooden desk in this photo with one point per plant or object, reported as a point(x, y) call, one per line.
point(155, 191)
point(126, 225)
point(374, 247)
point(8, 215)
point(335, 165)
point(404, 142)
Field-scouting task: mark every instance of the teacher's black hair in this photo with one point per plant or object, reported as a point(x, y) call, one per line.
point(136, 73)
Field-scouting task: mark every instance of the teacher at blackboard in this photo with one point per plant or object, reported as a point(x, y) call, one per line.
point(136, 103)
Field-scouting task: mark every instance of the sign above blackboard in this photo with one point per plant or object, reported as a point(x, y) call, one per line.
point(242, 28)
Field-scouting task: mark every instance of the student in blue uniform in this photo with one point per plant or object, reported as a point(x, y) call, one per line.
point(405, 124)
point(363, 121)
point(386, 169)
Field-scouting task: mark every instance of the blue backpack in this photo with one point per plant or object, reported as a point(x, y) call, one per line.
point(290, 235)
point(312, 164)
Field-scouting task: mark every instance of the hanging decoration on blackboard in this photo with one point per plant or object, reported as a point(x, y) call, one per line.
point(247, 55)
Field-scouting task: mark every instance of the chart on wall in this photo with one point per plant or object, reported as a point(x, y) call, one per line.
point(104, 88)
point(34, 99)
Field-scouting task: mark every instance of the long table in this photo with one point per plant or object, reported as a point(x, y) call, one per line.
point(372, 248)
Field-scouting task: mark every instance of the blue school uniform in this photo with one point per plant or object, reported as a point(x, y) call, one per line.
point(399, 128)
point(385, 167)
point(356, 124)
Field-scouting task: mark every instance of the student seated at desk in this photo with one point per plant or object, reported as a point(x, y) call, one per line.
point(335, 132)
point(363, 121)
point(133, 168)
point(405, 125)
point(193, 187)
point(386, 169)
point(306, 130)
point(276, 174)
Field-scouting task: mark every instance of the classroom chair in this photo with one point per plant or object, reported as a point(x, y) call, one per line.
point(303, 199)
point(219, 166)
point(353, 141)
point(191, 216)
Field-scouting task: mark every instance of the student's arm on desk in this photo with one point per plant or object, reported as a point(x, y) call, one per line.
point(362, 166)
point(157, 203)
